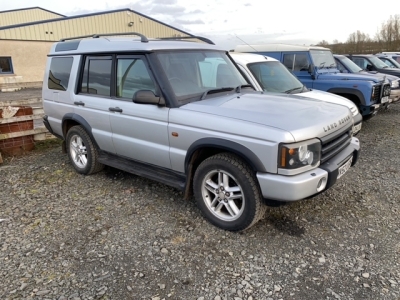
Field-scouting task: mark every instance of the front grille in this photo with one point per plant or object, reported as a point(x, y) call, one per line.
point(334, 143)
point(376, 96)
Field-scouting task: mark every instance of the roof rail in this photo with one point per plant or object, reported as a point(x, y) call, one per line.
point(206, 40)
point(76, 37)
point(143, 39)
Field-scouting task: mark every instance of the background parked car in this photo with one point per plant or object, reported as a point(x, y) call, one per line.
point(345, 65)
point(315, 67)
point(390, 61)
point(394, 55)
point(371, 62)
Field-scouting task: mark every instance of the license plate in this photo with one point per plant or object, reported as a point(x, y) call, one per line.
point(385, 99)
point(345, 167)
point(357, 128)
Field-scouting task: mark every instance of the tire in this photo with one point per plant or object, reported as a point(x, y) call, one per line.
point(227, 192)
point(82, 152)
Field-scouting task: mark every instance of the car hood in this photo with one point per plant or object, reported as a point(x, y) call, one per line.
point(329, 97)
point(348, 76)
point(380, 75)
point(304, 119)
point(390, 71)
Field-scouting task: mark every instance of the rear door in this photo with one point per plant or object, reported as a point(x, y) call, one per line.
point(92, 100)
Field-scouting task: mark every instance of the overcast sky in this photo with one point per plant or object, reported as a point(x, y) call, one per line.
point(229, 22)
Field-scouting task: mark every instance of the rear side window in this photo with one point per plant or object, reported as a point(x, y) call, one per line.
point(60, 70)
point(96, 77)
point(296, 62)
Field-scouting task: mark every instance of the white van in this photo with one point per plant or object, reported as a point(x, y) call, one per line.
point(269, 75)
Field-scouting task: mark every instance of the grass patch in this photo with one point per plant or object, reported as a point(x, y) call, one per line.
point(47, 144)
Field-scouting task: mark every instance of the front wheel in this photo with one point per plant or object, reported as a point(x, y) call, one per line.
point(227, 192)
point(82, 152)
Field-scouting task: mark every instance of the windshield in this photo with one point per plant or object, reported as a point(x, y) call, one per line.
point(192, 73)
point(273, 76)
point(351, 65)
point(391, 62)
point(323, 59)
point(377, 62)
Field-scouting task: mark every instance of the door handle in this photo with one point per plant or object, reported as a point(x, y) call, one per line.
point(79, 103)
point(115, 109)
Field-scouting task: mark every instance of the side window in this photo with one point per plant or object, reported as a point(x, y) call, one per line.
point(132, 76)
point(360, 62)
point(288, 60)
point(60, 70)
point(6, 65)
point(300, 62)
point(96, 78)
point(340, 67)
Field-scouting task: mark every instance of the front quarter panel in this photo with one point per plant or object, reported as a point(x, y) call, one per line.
point(187, 127)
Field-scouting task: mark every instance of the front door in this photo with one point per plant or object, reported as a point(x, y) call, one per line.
point(140, 131)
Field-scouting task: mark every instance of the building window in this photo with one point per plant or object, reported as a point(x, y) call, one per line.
point(6, 65)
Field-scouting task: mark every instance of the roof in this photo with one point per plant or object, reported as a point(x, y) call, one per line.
point(124, 44)
point(248, 58)
point(89, 15)
point(276, 47)
point(30, 8)
point(366, 55)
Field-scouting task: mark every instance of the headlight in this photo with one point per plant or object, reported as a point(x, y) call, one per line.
point(304, 155)
point(395, 84)
point(373, 91)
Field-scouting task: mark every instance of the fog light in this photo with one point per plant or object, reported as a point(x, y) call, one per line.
point(321, 184)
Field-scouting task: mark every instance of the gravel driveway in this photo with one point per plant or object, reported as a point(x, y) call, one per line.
point(114, 235)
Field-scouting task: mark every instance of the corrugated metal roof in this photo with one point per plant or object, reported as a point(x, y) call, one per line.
point(31, 8)
point(90, 15)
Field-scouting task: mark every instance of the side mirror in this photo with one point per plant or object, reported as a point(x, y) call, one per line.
point(311, 70)
point(369, 67)
point(147, 97)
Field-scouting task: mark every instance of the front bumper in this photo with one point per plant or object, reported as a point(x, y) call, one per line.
point(301, 186)
point(394, 95)
point(357, 124)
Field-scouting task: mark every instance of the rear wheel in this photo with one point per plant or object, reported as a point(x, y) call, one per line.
point(227, 192)
point(82, 151)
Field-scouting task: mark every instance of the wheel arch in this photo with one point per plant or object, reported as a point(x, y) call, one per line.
point(352, 94)
point(72, 119)
point(206, 147)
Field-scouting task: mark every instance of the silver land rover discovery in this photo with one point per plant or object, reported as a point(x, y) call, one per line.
point(157, 109)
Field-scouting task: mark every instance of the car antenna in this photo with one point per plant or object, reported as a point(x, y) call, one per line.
point(246, 43)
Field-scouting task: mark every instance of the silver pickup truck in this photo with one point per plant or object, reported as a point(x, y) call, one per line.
point(155, 108)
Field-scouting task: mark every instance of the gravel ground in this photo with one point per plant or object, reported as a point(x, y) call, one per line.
point(114, 235)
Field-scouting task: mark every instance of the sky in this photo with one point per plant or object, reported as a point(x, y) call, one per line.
point(232, 22)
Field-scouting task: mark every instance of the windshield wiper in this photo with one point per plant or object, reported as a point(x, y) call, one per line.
point(321, 65)
point(239, 87)
point(293, 89)
point(212, 91)
point(332, 65)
